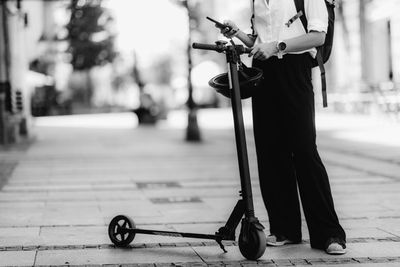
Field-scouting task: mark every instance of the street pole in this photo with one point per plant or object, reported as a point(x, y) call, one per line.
point(192, 130)
point(5, 88)
point(363, 39)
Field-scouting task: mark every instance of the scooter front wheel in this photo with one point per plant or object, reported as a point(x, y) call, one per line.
point(119, 231)
point(252, 241)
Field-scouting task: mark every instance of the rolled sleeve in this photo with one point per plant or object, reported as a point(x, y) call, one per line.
point(317, 15)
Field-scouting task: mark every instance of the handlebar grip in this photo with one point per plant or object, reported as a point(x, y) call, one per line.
point(240, 48)
point(204, 46)
point(247, 50)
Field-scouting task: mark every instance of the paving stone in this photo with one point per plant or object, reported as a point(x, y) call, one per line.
point(381, 249)
point(152, 245)
point(74, 235)
point(216, 264)
point(299, 262)
point(283, 262)
point(198, 264)
point(70, 188)
point(370, 232)
point(138, 245)
point(212, 254)
point(339, 260)
point(302, 251)
point(116, 256)
point(232, 264)
point(9, 218)
point(268, 264)
point(261, 261)
point(358, 265)
point(17, 258)
point(183, 244)
point(23, 236)
point(72, 218)
point(248, 264)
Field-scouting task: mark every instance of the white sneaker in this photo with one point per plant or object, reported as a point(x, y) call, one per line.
point(335, 248)
point(278, 241)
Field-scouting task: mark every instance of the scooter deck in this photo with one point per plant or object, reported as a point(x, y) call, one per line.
point(177, 234)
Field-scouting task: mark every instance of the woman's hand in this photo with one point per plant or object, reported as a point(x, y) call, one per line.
point(231, 30)
point(264, 51)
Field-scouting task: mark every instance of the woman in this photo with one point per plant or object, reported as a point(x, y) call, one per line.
point(284, 123)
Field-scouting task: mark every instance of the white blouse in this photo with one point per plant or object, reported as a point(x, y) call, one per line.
point(270, 20)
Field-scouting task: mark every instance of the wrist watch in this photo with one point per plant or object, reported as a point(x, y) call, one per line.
point(281, 46)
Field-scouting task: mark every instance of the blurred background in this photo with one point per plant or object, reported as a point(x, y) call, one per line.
point(68, 57)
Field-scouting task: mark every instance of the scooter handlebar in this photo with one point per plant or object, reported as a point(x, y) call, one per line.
point(220, 48)
point(205, 46)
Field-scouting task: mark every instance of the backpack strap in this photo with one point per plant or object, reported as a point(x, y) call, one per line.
point(253, 32)
point(321, 66)
point(300, 7)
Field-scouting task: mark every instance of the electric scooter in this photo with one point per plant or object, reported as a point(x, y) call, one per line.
point(252, 240)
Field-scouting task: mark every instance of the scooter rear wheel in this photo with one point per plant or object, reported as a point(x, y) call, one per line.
point(253, 244)
point(118, 230)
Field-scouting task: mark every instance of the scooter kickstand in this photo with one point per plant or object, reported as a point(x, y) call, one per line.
point(219, 241)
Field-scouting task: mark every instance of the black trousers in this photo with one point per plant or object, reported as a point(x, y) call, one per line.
point(288, 161)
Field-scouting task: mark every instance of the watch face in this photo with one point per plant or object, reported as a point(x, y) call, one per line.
point(282, 46)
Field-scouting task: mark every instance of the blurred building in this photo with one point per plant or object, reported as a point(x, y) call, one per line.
point(364, 70)
point(380, 29)
point(14, 107)
point(28, 49)
point(380, 38)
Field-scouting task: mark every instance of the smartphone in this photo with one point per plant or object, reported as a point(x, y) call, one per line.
point(219, 24)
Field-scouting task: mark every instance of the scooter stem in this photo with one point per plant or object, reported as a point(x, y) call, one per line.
point(240, 136)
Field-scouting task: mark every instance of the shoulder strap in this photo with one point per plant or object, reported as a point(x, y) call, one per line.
point(323, 78)
point(300, 7)
point(252, 19)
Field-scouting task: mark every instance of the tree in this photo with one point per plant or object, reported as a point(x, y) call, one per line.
point(90, 36)
point(91, 42)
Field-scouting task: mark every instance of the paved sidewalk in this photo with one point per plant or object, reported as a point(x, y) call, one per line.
point(83, 170)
